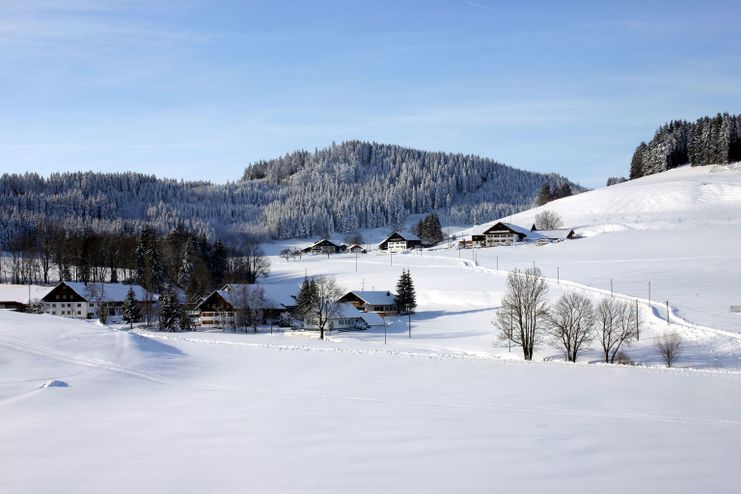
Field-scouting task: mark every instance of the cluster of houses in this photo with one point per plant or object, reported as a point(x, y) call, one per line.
point(396, 242)
point(490, 235)
point(233, 304)
point(229, 307)
point(501, 233)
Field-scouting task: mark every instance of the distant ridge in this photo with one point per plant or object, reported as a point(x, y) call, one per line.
point(337, 189)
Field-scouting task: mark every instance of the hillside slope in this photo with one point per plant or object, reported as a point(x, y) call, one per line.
point(679, 230)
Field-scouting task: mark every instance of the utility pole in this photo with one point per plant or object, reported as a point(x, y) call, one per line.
point(497, 263)
point(649, 294)
point(409, 315)
point(611, 292)
point(356, 262)
point(638, 329)
point(391, 257)
point(558, 275)
point(384, 330)
point(667, 312)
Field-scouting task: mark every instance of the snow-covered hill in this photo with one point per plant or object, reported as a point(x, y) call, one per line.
point(680, 230)
point(89, 408)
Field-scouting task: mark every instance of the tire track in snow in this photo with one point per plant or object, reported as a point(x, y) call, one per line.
point(92, 362)
point(83, 360)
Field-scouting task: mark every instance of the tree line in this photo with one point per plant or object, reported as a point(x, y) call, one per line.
point(180, 258)
point(709, 140)
point(573, 322)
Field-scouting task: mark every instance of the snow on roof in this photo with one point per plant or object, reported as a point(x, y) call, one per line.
point(480, 229)
point(559, 234)
point(112, 292)
point(376, 297)
point(372, 319)
point(405, 234)
point(347, 311)
point(19, 293)
point(280, 295)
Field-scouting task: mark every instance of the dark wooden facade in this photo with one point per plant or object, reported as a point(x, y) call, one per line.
point(323, 246)
point(397, 238)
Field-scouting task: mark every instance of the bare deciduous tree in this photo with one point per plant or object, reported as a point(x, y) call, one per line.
point(522, 315)
point(547, 220)
point(325, 305)
point(571, 323)
point(617, 326)
point(286, 254)
point(669, 346)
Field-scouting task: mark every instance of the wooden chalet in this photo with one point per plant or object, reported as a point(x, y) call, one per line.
point(377, 302)
point(84, 300)
point(499, 234)
point(230, 306)
point(356, 249)
point(399, 241)
point(347, 318)
point(323, 246)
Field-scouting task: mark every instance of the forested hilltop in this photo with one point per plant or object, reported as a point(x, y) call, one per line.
point(709, 140)
point(338, 189)
point(365, 185)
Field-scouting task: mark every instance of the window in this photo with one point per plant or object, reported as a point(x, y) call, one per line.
point(79, 305)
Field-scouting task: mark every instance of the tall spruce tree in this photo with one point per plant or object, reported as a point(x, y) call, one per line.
point(429, 229)
point(132, 311)
point(406, 297)
point(306, 300)
point(169, 312)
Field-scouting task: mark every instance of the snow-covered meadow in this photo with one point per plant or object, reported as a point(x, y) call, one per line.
point(89, 408)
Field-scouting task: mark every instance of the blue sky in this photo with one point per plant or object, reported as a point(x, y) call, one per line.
point(197, 90)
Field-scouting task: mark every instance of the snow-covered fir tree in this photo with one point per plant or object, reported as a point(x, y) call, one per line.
point(131, 310)
point(406, 297)
point(169, 312)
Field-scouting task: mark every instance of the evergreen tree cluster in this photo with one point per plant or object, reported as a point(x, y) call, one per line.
point(338, 189)
point(429, 230)
point(709, 140)
point(550, 192)
point(406, 297)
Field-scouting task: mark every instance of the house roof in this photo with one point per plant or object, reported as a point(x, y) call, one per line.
point(324, 241)
point(372, 318)
point(277, 295)
point(403, 234)
point(112, 292)
point(375, 297)
point(559, 234)
point(19, 293)
point(347, 310)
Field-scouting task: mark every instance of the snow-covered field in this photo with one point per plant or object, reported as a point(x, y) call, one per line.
point(85, 408)
point(90, 409)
